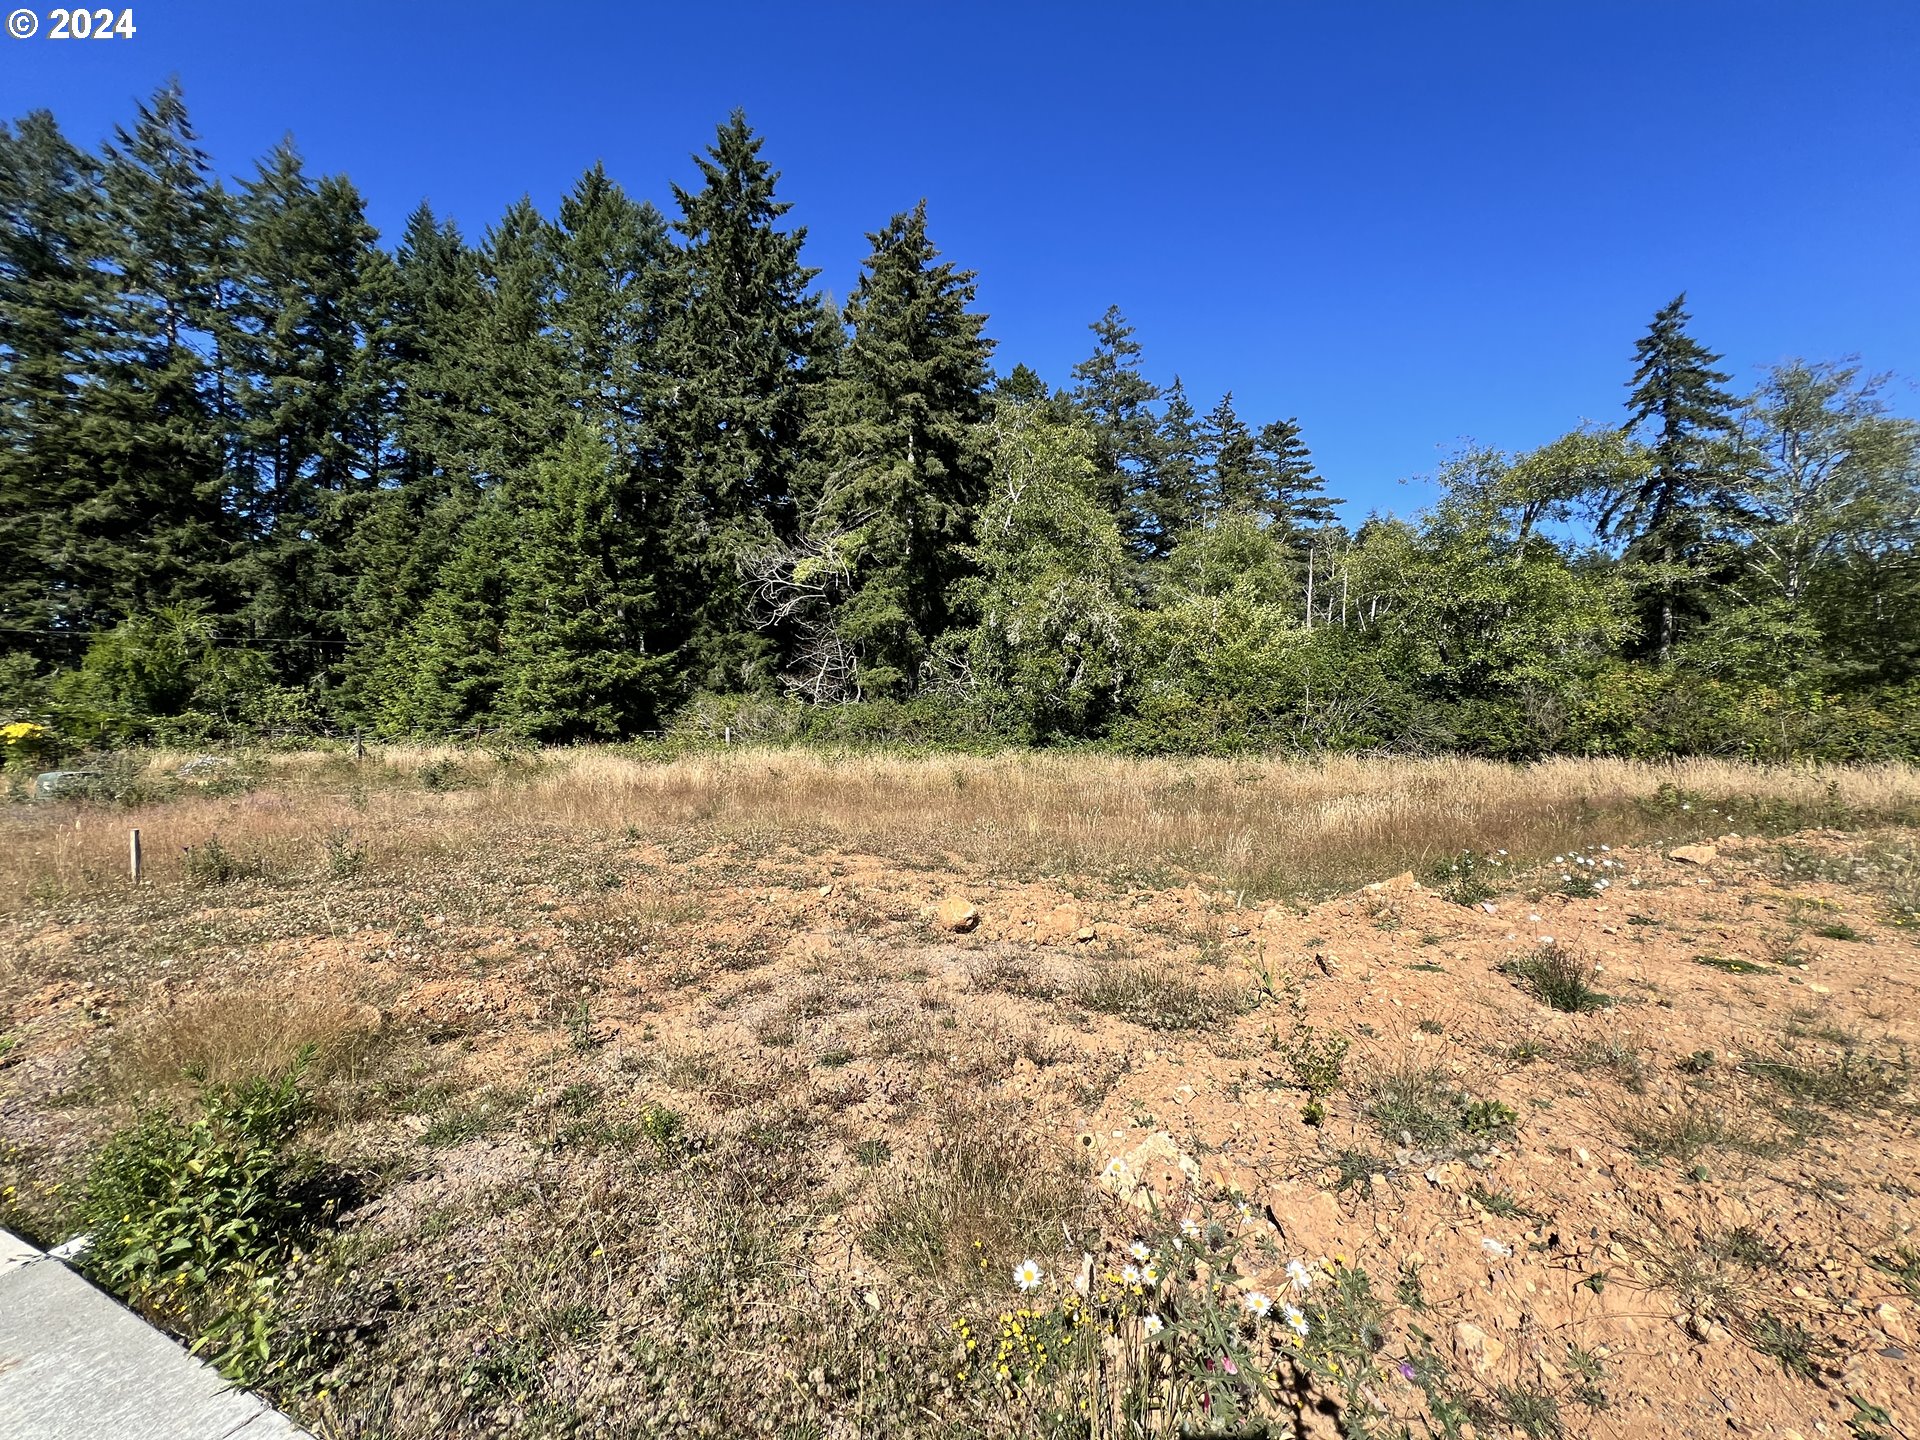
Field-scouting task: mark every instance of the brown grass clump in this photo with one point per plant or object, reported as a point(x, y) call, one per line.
point(985, 1188)
point(1164, 993)
point(230, 1036)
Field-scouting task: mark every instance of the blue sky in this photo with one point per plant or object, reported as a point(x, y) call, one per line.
point(1404, 223)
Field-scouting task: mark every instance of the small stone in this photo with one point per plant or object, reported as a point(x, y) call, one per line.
point(1083, 934)
point(956, 913)
point(1694, 854)
point(1475, 1348)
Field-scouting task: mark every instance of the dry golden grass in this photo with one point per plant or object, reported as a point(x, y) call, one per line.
point(983, 1188)
point(233, 1035)
point(1267, 828)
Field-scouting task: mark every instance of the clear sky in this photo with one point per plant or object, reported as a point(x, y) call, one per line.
point(1405, 223)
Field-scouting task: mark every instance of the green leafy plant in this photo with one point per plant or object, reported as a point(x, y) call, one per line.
point(211, 863)
point(190, 1220)
point(1315, 1059)
point(1468, 878)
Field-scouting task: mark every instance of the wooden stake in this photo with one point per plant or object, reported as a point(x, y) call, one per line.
point(133, 855)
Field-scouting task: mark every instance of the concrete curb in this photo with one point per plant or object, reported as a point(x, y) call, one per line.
point(75, 1364)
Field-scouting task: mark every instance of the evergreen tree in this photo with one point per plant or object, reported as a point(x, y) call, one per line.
point(743, 348)
point(577, 659)
point(1022, 384)
point(1119, 400)
point(1291, 493)
point(522, 409)
point(312, 312)
point(1175, 498)
point(1668, 516)
point(52, 295)
point(157, 518)
point(1230, 478)
point(438, 314)
point(613, 291)
point(905, 457)
point(408, 531)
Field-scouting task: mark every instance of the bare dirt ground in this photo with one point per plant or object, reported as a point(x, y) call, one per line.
point(707, 1118)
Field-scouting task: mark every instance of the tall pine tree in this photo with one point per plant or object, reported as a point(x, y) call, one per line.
point(744, 347)
point(158, 516)
point(52, 296)
point(906, 460)
point(1174, 500)
point(313, 308)
point(1668, 516)
point(1119, 400)
point(1292, 494)
point(1230, 479)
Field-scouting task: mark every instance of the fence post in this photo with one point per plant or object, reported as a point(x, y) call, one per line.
point(133, 855)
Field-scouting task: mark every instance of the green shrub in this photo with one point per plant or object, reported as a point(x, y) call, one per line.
point(190, 1221)
point(1468, 878)
point(211, 863)
point(1315, 1060)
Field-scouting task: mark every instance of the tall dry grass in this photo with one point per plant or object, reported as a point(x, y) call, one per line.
point(237, 1034)
point(1265, 828)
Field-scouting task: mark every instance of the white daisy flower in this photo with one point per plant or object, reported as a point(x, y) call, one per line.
point(1140, 1251)
point(1028, 1274)
point(1190, 1228)
point(1150, 1273)
point(1300, 1276)
point(1130, 1275)
point(1296, 1319)
point(1257, 1303)
point(1152, 1323)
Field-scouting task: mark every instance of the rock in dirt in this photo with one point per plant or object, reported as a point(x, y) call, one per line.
point(1152, 1172)
point(1476, 1349)
point(1063, 922)
point(1403, 883)
point(956, 913)
point(1694, 854)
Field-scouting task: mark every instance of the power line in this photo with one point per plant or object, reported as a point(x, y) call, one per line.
point(243, 641)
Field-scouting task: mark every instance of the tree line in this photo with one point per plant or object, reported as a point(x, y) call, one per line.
point(597, 470)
